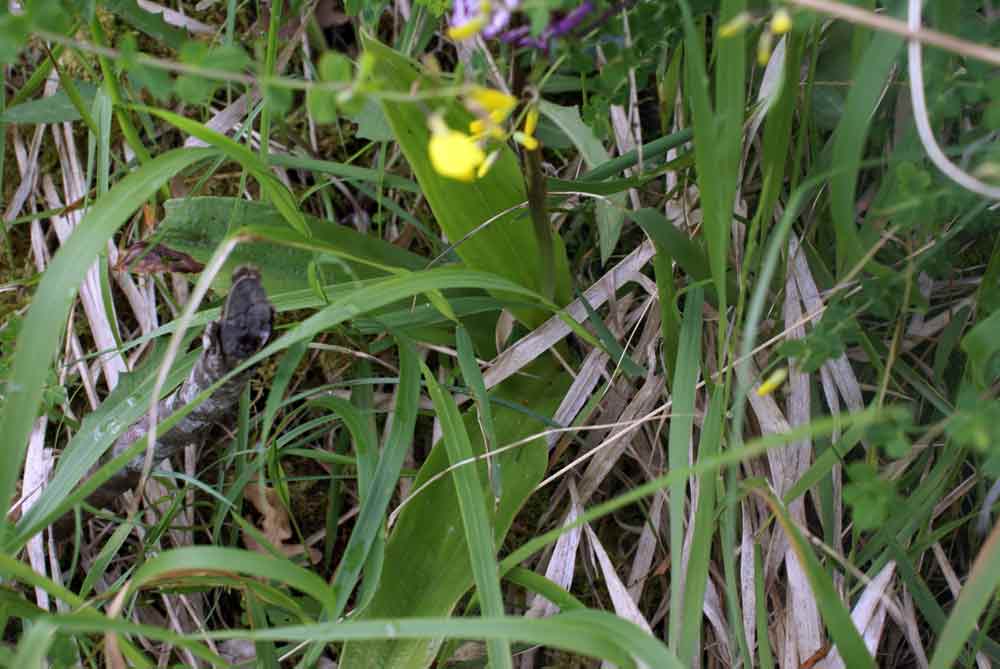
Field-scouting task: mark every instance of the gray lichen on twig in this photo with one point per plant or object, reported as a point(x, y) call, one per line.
point(241, 331)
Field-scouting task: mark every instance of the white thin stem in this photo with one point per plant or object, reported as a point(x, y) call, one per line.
point(920, 116)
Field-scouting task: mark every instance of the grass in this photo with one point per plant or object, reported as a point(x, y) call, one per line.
point(463, 414)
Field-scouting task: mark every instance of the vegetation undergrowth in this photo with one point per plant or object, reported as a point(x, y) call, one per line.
point(654, 333)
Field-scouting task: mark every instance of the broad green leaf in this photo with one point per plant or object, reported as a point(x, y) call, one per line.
point(507, 246)
point(43, 327)
point(197, 226)
point(55, 108)
point(428, 532)
point(272, 189)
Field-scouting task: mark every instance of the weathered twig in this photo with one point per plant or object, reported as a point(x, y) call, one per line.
point(241, 331)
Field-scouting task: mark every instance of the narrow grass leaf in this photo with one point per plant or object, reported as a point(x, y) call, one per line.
point(977, 592)
point(849, 140)
point(479, 533)
point(474, 380)
point(704, 529)
point(178, 563)
point(376, 500)
point(836, 616)
point(609, 214)
point(681, 425)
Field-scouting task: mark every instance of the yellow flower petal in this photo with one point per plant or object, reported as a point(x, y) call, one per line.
point(477, 127)
point(773, 382)
point(527, 141)
point(531, 122)
point(497, 103)
point(764, 47)
point(781, 22)
point(454, 154)
point(467, 30)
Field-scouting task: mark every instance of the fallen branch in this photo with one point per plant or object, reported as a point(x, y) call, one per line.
point(241, 331)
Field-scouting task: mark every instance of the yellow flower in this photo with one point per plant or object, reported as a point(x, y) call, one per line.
point(467, 30)
point(498, 104)
point(453, 154)
point(764, 47)
point(773, 382)
point(478, 128)
point(531, 122)
point(525, 140)
point(781, 22)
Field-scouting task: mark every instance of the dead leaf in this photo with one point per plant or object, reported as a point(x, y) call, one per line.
point(274, 523)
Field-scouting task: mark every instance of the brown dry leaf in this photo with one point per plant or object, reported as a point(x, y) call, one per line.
point(274, 523)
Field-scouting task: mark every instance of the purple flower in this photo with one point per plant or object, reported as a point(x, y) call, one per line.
point(491, 18)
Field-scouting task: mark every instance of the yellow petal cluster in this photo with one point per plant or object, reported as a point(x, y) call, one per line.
point(461, 156)
point(454, 154)
point(781, 22)
point(773, 382)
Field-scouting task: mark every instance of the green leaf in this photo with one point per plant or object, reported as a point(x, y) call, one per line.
point(55, 108)
point(172, 563)
point(148, 22)
point(507, 247)
point(45, 322)
point(981, 344)
point(378, 493)
point(685, 381)
point(428, 532)
point(197, 226)
point(323, 105)
point(479, 535)
point(371, 123)
point(274, 190)
point(838, 621)
point(609, 214)
point(850, 137)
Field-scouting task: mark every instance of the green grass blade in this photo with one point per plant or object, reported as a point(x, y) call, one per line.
point(379, 494)
point(479, 535)
point(171, 564)
point(701, 543)
point(609, 214)
point(681, 425)
point(977, 592)
point(474, 380)
point(849, 141)
point(838, 621)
